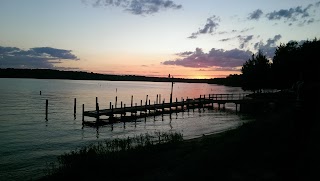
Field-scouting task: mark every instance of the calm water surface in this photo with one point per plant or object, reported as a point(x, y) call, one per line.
point(28, 142)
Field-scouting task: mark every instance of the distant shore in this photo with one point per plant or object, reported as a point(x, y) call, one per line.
point(79, 75)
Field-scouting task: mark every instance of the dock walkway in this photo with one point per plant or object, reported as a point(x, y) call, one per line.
point(204, 101)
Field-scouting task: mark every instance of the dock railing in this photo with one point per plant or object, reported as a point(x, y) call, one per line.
point(229, 97)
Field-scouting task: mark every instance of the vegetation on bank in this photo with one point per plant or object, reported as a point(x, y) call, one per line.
point(110, 154)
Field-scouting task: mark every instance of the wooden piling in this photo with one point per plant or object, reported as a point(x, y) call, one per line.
point(131, 100)
point(82, 112)
point(124, 111)
point(46, 109)
point(98, 111)
point(182, 107)
point(111, 116)
point(149, 106)
point(75, 106)
point(154, 113)
point(115, 105)
point(157, 100)
point(146, 99)
point(162, 109)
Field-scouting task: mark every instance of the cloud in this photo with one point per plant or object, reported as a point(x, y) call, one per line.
point(244, 40)
point(226, 39)
point(215, 58)
point(184, 54)
point(300, 14)
point(304, 15)
point(40, 57)
point(289, 14)
point(139, 7)
point(211, 25)
point(269, 47)
point(255, 15)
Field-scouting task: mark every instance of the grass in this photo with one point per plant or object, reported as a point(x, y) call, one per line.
point(109, 154)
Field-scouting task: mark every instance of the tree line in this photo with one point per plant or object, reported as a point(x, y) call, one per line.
point(291, 63)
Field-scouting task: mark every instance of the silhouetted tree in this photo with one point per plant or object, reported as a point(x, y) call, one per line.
point(293, 61)
point(256, 73)
point(286, 66)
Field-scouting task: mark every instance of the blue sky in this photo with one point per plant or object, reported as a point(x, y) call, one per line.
point(187, 38)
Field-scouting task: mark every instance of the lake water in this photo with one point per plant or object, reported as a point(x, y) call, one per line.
point(28, 142)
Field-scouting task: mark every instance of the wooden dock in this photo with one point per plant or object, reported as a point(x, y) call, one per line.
point(130, 113)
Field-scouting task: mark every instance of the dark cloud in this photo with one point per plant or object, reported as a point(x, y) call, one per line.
point(139, 7)
point(226, 39)
point(244, 40)
point(269, 47)
point(289, 14)
point(211, 25)
point(246, 30)
point(41, 57)
point(183, 54)
point(218, 58)
point(301, 15)
point(234, 31)
point(255, 15)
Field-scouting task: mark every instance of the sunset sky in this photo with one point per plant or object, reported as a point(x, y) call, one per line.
point(184, 38)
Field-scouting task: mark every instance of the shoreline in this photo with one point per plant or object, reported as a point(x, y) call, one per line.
point(262, 149)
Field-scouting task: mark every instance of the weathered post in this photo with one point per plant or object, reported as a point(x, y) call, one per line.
point(124, 112)
point(182, 107)
point(176, 106)
point(154, 113)
point(135, 114)
point(146, 99)
point(188, 103)
point(236, 107)
point(47, 109)
point(204, 102)
point(157, 100)
point(111, 115)
point(131, 100)
point(162, 109)
point(97, 111)
point(82, 112)
point(149, 106)
point(115, 105)
point(75, 106)
point(200, 104)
